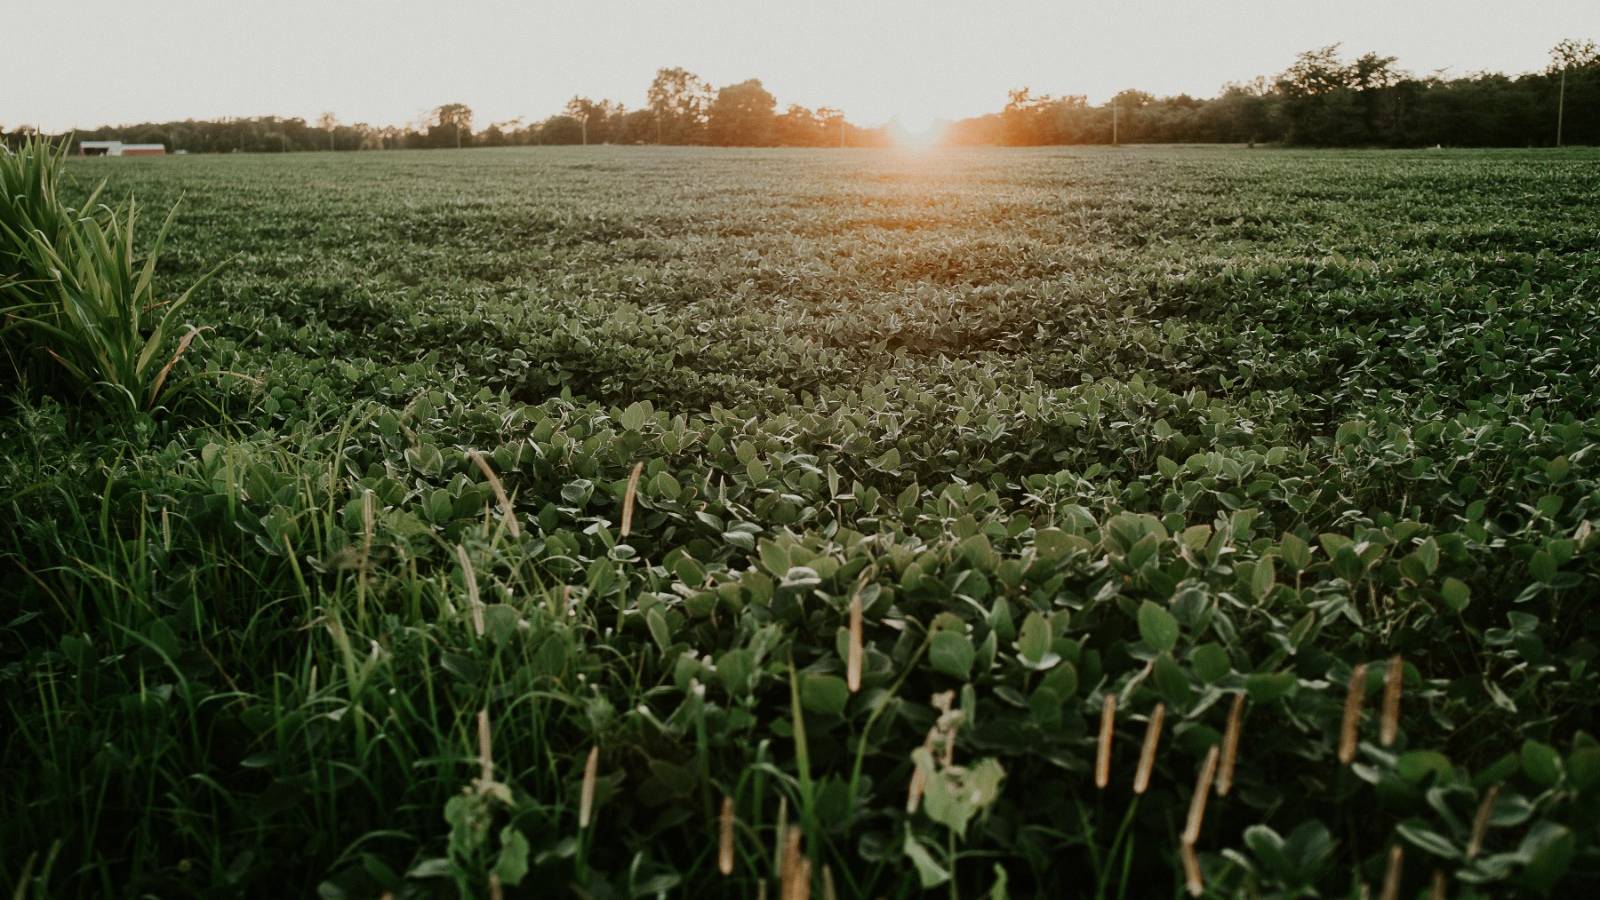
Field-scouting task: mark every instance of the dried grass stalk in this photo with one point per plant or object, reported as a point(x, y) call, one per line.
point(1480, 821)
point(1391, 876)
point(919, 783)
point(1192, 879)
point(507, 514)
point(853, 655)
point(368, 525)
point(474, 603)
point(1197, 804)
point(1230, 746)
point(1147, 755)
point(1393, 676)
point(485, 748)
point(800, 885)
point(183, 346)
point(627, 498)
point(789, 867)
point(1102, 759)
point(591, 770)
point(725, 838)
point(1350, 725)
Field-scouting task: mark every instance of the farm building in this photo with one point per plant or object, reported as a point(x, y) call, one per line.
point(118, 148)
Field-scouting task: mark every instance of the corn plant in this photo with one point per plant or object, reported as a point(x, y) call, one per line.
point(78, 293)
point(30, 203)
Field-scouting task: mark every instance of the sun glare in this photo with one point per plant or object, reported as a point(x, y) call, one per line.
point(917, 131)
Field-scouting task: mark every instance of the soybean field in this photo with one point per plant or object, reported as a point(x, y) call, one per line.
point(633, 522)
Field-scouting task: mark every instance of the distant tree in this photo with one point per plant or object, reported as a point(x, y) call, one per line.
point(634, 127)
point(833, 125)
point(679, 99)
point(594, 118)
point(1133, 99)
point(742, 115)
point(1242, 113)
point(799, 127)
point(329, 123)
point(450, 125)
point(1312, 112)
point(559, 130)
point(1575, 72)
point(1018, 120)
point(1315, 72)
point(1573, 53)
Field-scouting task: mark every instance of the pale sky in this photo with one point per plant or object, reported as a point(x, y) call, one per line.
point(82, 63)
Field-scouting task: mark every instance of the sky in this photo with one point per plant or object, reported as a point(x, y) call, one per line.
point(83, 63)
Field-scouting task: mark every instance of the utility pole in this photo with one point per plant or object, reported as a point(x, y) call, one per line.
point(1561, 105)
point(1115, 110)
point(585, 123)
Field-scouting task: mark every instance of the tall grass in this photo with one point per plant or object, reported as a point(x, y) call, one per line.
point(81, 310)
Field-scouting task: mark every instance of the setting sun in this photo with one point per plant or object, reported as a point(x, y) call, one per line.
point(916, 130)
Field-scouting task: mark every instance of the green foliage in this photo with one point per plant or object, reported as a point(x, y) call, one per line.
point(1168, 427)
point(79, 294)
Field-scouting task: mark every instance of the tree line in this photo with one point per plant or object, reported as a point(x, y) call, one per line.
point(681, 109)
point(1323, 99)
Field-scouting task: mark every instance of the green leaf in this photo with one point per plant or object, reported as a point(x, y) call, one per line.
point(1541, 763)
point(437, 867)
point(1264, 687)
point(951, 653)
point(1053, 543)
point(664, 485)
point(1425, 838)
point(1172, 682)
point(1262, 580)
point(928, 872)
point(1267, 846)
point(1295, 552)
point(1549, 849)
point(1543, 566)
point(1418, 764)
point(1211, 662)
point(1157, 627)
point(1583, 768)
point(633, 417)
point(955, 794)
point(824, 694)
point(1033, 643)
point(512, 864)
point(1428, 552)
point(1455, 594)
point(734, 669)
point(659, 630)
point(888, 462)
